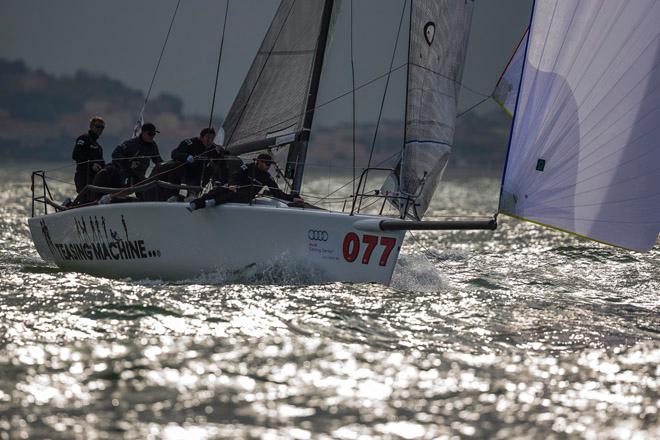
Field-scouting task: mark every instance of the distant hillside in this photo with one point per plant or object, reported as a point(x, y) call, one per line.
point(42, 114)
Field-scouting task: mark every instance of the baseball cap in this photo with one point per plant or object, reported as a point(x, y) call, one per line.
point(149, 127)
point(266, 158)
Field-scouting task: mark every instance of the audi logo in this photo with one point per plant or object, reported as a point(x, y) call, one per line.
point(315, 235)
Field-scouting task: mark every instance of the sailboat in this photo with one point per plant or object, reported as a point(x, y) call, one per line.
point(580, 159)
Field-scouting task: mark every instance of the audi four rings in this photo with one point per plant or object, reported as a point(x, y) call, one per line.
point(316, 235)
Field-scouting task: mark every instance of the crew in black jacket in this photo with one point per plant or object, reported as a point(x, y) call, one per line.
point(245, 185)
point(133, 155)
point(218, 165)
point(108, 177)
point(88, 154)
point(192, 152)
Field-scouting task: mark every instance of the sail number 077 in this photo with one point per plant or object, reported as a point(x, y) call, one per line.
point(351, 247)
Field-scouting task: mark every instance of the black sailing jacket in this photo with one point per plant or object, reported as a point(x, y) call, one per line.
point(86, 152)
point(136, 150)
point(249, 179)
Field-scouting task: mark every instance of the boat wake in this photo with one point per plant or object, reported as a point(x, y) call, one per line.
point(279, 271)
point(415, 272)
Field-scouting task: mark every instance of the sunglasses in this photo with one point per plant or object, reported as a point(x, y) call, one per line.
point(151, 133)
point(100, 127)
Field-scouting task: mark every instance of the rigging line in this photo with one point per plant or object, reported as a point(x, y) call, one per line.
point(426, 252)
point(515, 107)
point(68, 166)
point(228, 136)
point(353, 90)
point(330, 101)
point(217, 70)
point(387, 83)
point(60, 180)
point(162, 51)
point(460, 84)
point(473, 107)
point(348, 183)
point(524, 35)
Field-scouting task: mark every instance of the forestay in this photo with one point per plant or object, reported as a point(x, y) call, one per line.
point(272, 99)
point(585, 144)
point(506, 90)
point(439, 33)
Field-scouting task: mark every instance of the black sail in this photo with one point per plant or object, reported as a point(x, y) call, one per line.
point(272, 100)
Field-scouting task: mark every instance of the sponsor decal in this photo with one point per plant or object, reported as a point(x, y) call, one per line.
point(98, 242)
point(319, 246)
point(317, 235)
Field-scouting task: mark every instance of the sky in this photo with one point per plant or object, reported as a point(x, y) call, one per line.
point(123, 38)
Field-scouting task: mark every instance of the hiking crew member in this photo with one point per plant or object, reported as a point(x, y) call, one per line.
point(217, 167)
point(191, 153)
point(133, 155)
point(88, 154)
point(245, 185)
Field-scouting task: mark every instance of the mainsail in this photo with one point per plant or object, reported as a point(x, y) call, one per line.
point(585, 143)
point(438, 38)
point(272, 101)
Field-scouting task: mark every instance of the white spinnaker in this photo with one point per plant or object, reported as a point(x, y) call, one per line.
point(585, 146)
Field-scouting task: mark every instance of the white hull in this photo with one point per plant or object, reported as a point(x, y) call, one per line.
point(166, 241)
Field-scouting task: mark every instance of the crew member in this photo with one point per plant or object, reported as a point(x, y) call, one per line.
point(88, 154)
point(245, 185)
point(108, 177)
point(191, 152)
point(218, 166)
point(133, 155)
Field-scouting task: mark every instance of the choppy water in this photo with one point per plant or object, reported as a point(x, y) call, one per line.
point(521, 333)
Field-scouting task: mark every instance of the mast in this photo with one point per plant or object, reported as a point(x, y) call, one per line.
point(403, 207)
point(298, 150)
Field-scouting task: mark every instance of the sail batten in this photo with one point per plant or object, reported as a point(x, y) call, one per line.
point(585, 141)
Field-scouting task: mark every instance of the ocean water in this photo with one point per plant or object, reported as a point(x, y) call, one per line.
point(519, 333)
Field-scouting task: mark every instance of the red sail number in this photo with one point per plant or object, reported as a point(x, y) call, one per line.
point(351, 247)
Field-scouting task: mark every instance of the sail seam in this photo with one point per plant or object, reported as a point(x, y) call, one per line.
point(586, 117)
point(566, 129)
